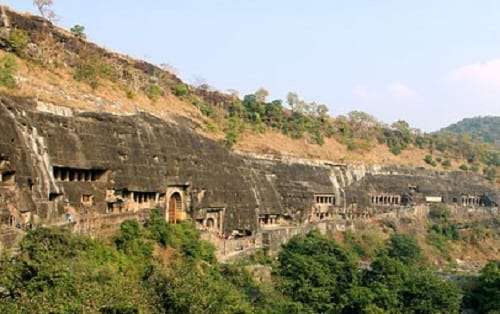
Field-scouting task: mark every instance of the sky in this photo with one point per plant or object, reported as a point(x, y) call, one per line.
point(430, 63)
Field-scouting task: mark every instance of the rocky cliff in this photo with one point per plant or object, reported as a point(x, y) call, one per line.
point(86, 157)
point(61, 166)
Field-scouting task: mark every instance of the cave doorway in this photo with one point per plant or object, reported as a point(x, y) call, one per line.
point(174, 207)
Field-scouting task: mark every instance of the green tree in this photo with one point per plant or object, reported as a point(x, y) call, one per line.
point(274, 114)
point(317, 272)
point(255, 109)
point(400, 288)
point(423, 292)
point(198, 288)
point(485, 297)
point(58, 272)
point(386, 278)
point(78, 31)
point(404, 248)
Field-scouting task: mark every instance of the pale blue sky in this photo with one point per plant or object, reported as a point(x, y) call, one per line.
point(429, 62)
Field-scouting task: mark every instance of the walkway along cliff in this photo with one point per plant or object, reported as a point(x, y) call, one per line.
point(92, 170)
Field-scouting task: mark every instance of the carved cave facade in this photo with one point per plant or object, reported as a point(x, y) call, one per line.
point(64, 169)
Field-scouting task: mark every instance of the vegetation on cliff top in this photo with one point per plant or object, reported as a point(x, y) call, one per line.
point(485, 129)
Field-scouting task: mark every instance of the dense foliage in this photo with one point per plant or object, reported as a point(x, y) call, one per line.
point(161, 268)
point(486, 129)
point(485, 295)
point(326, 279)
point(157, 268)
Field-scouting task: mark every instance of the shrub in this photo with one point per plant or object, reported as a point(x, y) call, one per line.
point(180, 90)
point(129, 93)
point(18, 40)
point(405, 248)
point(448, 230)
point(478, 234)
point(78, 31)
point(91, 70)
point(8, 68)
point(86, 72)
point(491, 158)
point(130, 239)
point(440, 242)
point(296, 134)
point(233, 130)
point(446, 163)
point(211, 126)
point(464, 167)
point(490, 173)
point(317, 138)
point(441, 147)
point(439, 211)
point(420, 141)
point(153, 91)
point(396, 150)
point(206, 110)
point(428, 159)
point(259, 127)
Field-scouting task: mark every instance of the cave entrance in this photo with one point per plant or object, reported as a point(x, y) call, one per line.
point(174, 207)
point(210, 223)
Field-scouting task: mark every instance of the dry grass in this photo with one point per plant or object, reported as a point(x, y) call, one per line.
point(56, 85)
point(273, 142)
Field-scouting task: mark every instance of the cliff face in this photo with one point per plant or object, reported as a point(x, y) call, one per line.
point(62, 166)
point(90, 158)
point(124, 154)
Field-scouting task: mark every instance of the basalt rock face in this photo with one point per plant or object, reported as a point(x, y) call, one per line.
point(56, 161)
point(417, 186)
point(138, 153)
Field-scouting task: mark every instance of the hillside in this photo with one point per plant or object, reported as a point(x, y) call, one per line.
point(486, 129)
point(57, 67)
point(125, 190)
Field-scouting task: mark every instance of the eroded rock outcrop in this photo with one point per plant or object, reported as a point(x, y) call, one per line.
point(92, 170)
